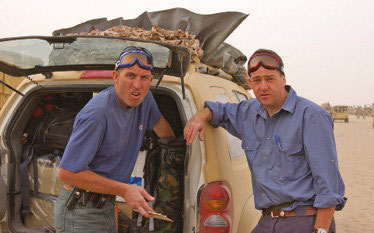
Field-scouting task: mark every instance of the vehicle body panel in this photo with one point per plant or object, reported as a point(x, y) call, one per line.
point(219, 164)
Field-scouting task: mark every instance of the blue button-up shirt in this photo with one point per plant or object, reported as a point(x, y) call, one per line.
point(291, 155)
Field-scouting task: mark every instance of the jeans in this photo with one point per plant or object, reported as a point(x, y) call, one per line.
point(298, 224)
point(83, 218)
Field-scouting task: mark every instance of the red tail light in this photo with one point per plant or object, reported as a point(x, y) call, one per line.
point(97, 74)
point(216, 210)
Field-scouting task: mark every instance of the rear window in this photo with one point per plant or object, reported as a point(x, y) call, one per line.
point(30, 53)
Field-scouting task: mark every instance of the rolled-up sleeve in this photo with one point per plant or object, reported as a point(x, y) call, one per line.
point(228, 116)
point(320, 149)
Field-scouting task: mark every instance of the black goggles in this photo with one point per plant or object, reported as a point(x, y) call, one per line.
point(267, 60)
point(132, 55)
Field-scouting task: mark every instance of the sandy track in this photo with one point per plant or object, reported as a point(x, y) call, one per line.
point(355, 145)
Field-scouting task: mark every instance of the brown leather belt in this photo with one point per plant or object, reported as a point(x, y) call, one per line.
point(301, 211)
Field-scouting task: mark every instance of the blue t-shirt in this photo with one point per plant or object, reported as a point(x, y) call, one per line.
point(106, 137)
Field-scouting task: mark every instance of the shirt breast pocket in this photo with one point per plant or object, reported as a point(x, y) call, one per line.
point(293, 160)
point(250, 146)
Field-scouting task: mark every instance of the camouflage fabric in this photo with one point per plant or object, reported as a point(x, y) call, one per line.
point(169, 187)
point(163, 174)
point(124, 223)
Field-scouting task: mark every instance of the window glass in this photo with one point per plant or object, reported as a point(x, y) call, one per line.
point(29, 53)
point(234, 142)
point(239, 96)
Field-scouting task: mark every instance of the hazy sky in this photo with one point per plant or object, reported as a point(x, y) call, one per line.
point(327, 46)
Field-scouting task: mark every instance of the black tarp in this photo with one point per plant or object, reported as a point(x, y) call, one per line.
point(211, 30)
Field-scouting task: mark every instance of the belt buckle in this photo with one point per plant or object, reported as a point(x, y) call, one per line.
point(281, 214)
point(272, 216)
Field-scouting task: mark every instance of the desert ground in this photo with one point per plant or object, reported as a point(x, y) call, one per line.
point(355, 146)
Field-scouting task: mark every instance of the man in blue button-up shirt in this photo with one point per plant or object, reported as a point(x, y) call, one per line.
point(290, 148)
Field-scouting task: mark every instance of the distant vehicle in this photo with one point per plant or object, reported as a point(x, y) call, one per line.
point(340, 112)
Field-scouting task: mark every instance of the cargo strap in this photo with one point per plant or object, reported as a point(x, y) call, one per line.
point(27, 156)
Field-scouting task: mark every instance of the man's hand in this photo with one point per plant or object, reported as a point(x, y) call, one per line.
point(197, 124)
point(136, 197)
point(324, 218)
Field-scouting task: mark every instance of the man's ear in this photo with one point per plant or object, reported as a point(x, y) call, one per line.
point(115, 76)
point(250, 83)
point(283, 76)
point(246, 76)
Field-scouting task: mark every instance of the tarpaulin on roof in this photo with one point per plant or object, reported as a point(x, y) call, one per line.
point(211, 31)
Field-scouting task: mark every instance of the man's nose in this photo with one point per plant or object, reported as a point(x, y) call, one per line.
point(263, 85)
point(137, 83)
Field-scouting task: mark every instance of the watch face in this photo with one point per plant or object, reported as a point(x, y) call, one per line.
point(319, 230)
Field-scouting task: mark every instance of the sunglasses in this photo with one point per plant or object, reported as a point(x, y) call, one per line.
point(267, 60)
point(135, 55)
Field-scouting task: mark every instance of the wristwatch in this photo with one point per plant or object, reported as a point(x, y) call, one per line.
point(319, 230)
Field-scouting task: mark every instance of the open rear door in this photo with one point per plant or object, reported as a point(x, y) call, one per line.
point(3, 189)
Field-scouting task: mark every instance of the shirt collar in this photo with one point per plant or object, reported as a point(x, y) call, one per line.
point(288, 105)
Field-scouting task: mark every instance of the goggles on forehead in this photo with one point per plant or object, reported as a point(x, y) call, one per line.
point(267, 60)
point(132, 55)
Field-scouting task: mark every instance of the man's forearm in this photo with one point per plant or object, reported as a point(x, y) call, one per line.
point(206, 114)
point(135, 196)
point(324, 218)
point(163, 129)
point(91, 181)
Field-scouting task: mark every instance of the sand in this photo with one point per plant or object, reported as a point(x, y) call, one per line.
point(355, 146)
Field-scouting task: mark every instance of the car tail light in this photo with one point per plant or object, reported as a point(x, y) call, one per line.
point(216, 211)
point(97, 74)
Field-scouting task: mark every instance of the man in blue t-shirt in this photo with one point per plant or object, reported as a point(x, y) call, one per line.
point(290, 148)
point(103, 148)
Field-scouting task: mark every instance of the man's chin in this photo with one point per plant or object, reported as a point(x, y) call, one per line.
point(265, 102)
point(134, 102)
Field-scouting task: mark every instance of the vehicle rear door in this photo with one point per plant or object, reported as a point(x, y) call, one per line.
point(3, 186)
